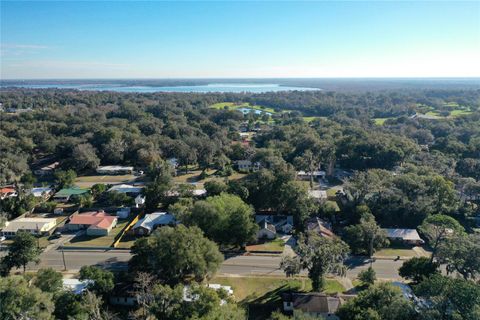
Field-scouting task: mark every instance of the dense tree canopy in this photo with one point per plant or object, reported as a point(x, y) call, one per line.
point(176, 255)
point(225, 218)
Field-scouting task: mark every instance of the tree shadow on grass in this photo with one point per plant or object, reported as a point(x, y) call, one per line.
point(263, 306)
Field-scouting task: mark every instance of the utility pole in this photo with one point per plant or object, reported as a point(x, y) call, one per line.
point(63, 258)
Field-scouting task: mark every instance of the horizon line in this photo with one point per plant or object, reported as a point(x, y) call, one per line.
point(250, 78)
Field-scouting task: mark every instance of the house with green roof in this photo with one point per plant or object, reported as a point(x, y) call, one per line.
point(65, 194)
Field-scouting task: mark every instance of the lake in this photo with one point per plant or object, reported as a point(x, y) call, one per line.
point(214, 87)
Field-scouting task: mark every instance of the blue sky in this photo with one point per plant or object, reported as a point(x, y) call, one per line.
point(131, 39)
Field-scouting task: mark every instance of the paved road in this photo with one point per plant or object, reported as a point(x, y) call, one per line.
point(239, 265)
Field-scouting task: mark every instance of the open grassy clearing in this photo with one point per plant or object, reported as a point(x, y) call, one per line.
point(310, 119)
point(88, 181)
point(267, 289)
point(458, 113)
point(394, 252)
point(101, 241)
point(194, 177)
point(381, 121)
point(271, 246)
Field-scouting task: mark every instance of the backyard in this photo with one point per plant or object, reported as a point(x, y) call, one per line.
point(262, 295)
point(276, 245)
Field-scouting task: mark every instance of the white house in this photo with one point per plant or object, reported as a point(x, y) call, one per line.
point(270, 225)
point(216, 286)
point(110, 170)
point(151, 221)
point(266, 230)
point(128, 189)
point(305, 175)
point(47, 170)
point(36, 226)
point(44, 192)
point(408, 236)
point(247, 165)
point(75, 285)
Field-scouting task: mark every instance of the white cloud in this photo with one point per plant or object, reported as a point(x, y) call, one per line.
point(17, 49)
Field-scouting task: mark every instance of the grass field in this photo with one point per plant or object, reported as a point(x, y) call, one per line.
point(310, 119)
point(272, 246)
point(105, 241)
point(380, 121)
point(394, 252)
point(193, 177)
point(88, 181)
point(459, 112)
point(127, 242)
point(267, 289)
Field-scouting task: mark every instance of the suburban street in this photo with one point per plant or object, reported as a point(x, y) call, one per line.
point(234, 266)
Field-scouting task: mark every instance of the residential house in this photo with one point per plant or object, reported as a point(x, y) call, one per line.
point(35, 226)
point(151, 221)
point(405, 236)
point(123, 295)
point(96, 223)
point(113, 170)
point(319, 195)
point(44, 192)
point(128, 189)
point(247, 165)
point(76, 286)
point(320, 227)
point(270, 225)
point(216, 287)
point(47, 170)
point(65, 194)
point(266, 230)
point(314, 304)
point(8, 192)
point(305, 175)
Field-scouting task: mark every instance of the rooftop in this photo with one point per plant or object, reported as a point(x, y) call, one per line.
point(152, 220)
point(99, 220)
point(405, 234)
point(115, 168)
point(314, 302)
point(42, 224)
point(71, 191)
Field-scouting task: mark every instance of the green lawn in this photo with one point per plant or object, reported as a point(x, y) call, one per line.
point(127, 242)
point(262, 295)
point(266, 289)
point(310, 119)
point(394, 252)
point(88, 181)
point(334, 204)
point(380, 121)
point(193, 177)
point(459, 112)
point(105, 241)
point(273, 245)
point(433, 114)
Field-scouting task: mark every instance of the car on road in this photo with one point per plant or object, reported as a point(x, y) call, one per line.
point(56, 235)
point(3, 238)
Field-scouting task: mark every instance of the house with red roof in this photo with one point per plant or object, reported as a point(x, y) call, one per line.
point(96, 223)
point(7, 192)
